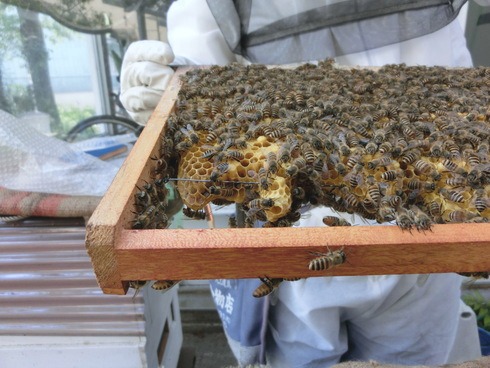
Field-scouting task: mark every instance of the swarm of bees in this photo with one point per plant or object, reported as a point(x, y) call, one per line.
point(408, 144)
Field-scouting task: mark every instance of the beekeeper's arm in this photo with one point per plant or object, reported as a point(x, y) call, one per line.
point(145, 70)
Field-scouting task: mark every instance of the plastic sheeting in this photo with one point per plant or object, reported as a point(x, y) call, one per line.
point(33, 162)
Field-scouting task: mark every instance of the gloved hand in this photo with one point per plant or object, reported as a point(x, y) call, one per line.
point(144, 76)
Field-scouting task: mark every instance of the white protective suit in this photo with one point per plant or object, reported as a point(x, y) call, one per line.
point(316, 322)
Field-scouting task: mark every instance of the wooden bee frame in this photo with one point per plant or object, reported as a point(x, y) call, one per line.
point(120, 254)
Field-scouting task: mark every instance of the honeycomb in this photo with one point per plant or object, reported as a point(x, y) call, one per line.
point(408, 144)
point(236, 177)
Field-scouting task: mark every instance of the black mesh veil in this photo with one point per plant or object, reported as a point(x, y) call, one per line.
point(280, 32)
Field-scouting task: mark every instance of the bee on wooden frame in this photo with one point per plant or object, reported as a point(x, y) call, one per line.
point(325, 261)
point(164, 285)
point(267, 286)
point(335, 221)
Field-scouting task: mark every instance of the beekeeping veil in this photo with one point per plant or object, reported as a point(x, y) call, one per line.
point(281, 32)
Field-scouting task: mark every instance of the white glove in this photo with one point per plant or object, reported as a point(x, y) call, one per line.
point(144, 76)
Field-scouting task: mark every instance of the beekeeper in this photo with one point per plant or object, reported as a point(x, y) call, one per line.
point(317, 322)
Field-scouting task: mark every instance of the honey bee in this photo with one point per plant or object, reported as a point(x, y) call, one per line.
point(410, 156)
point(472, 158)
point(385, 147)
point(262, 176)
point(335, 221)
point(452, 195)
point(390, 175)
point(221, 169)
point(435, 208)
point(220, 191)
point(137, 285)
point(453, 167)
point(355, 176)
point(382, 161)
point(452, 147)
point(481, 201)
point(456, 216)
point(416, 184)
point(194, 214)
point(411, 133)
point(371, 148)
point(163, 285)
point(456, 181)
point(483, 149)
point(296, 166)
point(404, 219)
point(308, 153)
point(284, 153)
point(385, 213)
point(161, 164)
point(475, 275)
point(267, 286)
point(289, 99)
point(142, 200)
point(273, 132)
point(360, 128)
point(261, 203)
point(183, 146)
point(379, 136)
point(146, 219)
point(420, 218)
point(298, 193)
point(352, 140)
point(235, 155)
point(272, 165)
point(326, 261)
point(190, 133)
point(466, 136)
point(349, 199)
point(436, 149)
point(422, 166)
point(374, 193)
point(232, 222)
point(342, 147)
point(341, 168)
point(354, 160)
point(211, 152)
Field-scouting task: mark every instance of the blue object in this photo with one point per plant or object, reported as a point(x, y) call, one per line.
point(100, 152)
point(484, 341)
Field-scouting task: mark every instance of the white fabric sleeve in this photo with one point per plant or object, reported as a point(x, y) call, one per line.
point(144, 76)
point(195, 36)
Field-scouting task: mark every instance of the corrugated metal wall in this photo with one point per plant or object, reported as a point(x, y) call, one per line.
point(47, 285)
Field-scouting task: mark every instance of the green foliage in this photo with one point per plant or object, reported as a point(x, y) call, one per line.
point(9, 32)
point(481, 306)
point(75, 14)
point(72, 115)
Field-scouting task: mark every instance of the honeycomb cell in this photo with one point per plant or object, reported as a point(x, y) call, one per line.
point(241, 172)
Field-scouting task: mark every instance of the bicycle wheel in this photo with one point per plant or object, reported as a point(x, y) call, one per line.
point(102, 126)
